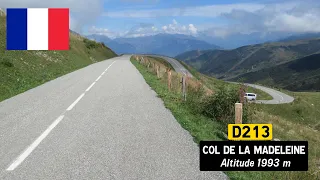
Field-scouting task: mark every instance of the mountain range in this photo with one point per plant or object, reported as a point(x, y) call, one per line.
point(250, 62)
point(301, 74)
point(162, 44)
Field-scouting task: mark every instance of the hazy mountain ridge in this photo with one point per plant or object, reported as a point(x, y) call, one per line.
point(164, 44)
point(229, 63)
point(298, 75)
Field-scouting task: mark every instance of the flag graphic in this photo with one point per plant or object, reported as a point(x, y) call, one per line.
point(37, 29)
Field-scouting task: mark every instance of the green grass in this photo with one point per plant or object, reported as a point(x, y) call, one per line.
point(23, 70)
point(298, 120)
point(261, 95)
point(213, 83)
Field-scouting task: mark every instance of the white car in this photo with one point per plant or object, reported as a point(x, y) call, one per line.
point(250, 96)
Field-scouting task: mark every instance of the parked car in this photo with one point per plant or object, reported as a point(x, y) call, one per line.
point(250, 96)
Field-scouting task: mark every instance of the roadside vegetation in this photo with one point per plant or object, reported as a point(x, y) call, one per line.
point(23, 70)
point(210, 107)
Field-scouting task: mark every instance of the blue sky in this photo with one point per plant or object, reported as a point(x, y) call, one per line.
point(219, 18)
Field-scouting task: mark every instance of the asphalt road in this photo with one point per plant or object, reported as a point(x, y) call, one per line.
point(178, 67)
point(99, 122)
point(278, 97)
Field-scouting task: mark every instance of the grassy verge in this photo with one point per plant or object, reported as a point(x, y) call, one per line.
point(23, 70)
point(294, 121)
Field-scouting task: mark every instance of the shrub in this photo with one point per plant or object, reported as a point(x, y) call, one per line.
point(90, 44)
point(220, 105)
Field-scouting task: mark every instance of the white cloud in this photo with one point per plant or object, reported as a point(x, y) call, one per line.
point(103, 31)
point(203, 11)
point(176, 28)
point(145, 29)
point(164, 28)
point(293, 17)
point(83, 12)
point(192, 29)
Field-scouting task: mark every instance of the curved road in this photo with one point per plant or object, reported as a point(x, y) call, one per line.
point(178, 67)
point(278, 97)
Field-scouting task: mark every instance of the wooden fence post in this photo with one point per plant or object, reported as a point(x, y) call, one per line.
point(184, 94)
point(238, 113)
point(158, 71)
point(169, 79)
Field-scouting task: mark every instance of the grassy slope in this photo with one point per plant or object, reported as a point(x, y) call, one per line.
point(23, 70)
point(209, 81)
point(295, 121)
point(300, 74)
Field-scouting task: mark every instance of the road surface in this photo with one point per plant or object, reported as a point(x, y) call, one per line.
point(99, 122)
point(178, 67)
point(278, 97)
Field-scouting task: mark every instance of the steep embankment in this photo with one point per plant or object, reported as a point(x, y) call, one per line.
point(298, 75)
point(23, 70)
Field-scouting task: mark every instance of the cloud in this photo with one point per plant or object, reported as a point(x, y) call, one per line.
point(103, 31)
point(176, 28)
point(192, 29)
point(244, 18)
point(148, 29)
point(82, 12)
point(202, 11)
point(297, 17)
point(292, 17)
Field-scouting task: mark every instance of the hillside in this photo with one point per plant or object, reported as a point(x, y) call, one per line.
point(162, 44)
point(23, 70)
point(231, 63)
point(297, 75)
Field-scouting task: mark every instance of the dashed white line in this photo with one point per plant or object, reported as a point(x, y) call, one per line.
point(26, 153)
point(109, 66)
point(75, 102)
point(90, 86)
point(98, 78)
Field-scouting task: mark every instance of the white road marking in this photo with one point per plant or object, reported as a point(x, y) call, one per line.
point(90, 86)
point(29, 150)
point(75, 102)
point(98, 78)
point(109, 66)
point(26, 153)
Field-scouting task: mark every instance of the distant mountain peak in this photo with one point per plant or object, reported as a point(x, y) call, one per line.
point(162, 44)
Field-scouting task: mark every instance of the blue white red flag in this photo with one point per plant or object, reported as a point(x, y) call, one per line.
point(37, 29)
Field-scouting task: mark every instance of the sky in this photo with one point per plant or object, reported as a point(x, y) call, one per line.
point(216, 18)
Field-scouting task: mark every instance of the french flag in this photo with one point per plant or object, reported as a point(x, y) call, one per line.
point(37, 29)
